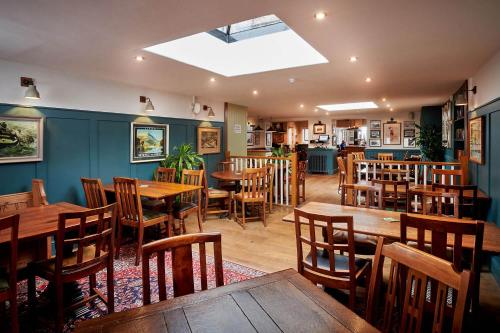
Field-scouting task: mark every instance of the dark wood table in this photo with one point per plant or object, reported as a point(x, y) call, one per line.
point(371, 222)
point(228, 176)
point(279, 302)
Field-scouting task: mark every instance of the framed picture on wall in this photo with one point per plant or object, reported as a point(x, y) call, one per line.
point(409, 125)
point(409, 142)
point(375, 134)
point(375, 124)
point(256, 139)
point(375, 143)
point(148, 142)
point(269, 139)
point(21, 139)
point(409, 133)
point(208, 140)
point(476, 140)
point(250, 139)
point(392, 133)
point(319, 128)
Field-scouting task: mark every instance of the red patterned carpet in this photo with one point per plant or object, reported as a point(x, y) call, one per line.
point(128, 287)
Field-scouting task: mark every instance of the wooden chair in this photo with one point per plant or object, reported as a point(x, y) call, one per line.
point(215, 201)
point(360, 155)
point(434, 203)
point(166, 175)
point(447, 177)
point(35, 198)
point(8, 274)
point(352, 195)
point(301, 180)
point(410, 271)
point(270, 185)
point(322, 265)
point(253, 191)
point(385, 156)
point(342, 172)
point(391, 194)
point(467, 206)
point(441, 229)
point(38, 192)
point(131, 213)
point(182, 264)
point(94, 192)
point(191, 201)
point(94, 245)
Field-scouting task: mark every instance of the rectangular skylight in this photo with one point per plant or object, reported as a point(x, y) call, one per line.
point(261, 52)
point(348, 106)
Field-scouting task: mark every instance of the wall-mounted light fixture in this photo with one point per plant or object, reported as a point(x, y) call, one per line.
point(463, 99)
point(211, 113)
point(149, 106)
point(31, 92)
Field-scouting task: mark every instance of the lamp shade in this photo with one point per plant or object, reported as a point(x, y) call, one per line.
point(461, 100)
point(32, 92)
point(149, 106)
point(211, 113)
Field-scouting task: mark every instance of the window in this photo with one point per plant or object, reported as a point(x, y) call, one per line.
point(305, 134)
point(256, 27)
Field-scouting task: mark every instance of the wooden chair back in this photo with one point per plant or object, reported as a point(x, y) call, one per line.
point(441, 229)
point(410, 272)
point(191, 177)
point(467, 206)
point(226, 166)
point(94, 192)
point(270, 180)
point(440, 204)
point(359, 155)
point(15, 201)
point(166, 175)
point(96, 233)
point(11, 223)
point(447, 177)
point(385, 156)
point(39, 195)
point(128, 198)
point(302, 170)
point(391, 190)
point(253, 181)
point(180, 248)
point(311, 270)
point(341, 164)
point(351, 195)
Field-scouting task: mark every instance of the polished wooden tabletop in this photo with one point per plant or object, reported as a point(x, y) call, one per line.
point(375, 222)
point(158, 190)
point(39, 222)
point(279, 302)
point(229, 175)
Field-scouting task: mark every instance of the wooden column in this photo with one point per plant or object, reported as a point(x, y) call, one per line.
point(295, 188)
point(464, 166)
point(350, 176)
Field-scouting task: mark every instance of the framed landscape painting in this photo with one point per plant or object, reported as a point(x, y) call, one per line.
point(148, 142)
point(250, 139)
point(21, 139)
point(319, 128)
point(375, 134)
point(476, 143)
point(392, 133)
point(375, 124)
point(375, 143)
point(409, 142)
point(208, 140)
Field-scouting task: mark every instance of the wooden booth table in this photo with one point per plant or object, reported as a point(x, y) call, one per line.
point(279, 302)
point(371, 222)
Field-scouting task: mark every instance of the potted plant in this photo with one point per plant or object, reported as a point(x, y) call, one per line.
point(183, 157)
point(430, 141)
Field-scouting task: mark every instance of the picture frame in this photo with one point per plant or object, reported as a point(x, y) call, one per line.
point(375, 143)
point(476, 140)
point(409, 125)
point(409, 133)
point(21, 139)
point(392, 133)
point(409, 142)
point(376, 124)
point(250, 139)
point(269, 139)
point(447, 122)
point(319, 128)
point(375, 134)
point(256, 139)
point(148, 142)
point(209, 140)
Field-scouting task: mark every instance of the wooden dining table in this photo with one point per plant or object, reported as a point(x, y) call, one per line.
point(385, 223)
point(283, 301)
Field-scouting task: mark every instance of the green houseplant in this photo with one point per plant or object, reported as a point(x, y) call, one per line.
point(279, 152)
point(430, 141)
point(183, 157)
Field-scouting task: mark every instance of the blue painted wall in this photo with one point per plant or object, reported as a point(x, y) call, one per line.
point(89, 144)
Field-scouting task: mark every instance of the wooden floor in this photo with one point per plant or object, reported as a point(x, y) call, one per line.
point(273, 248)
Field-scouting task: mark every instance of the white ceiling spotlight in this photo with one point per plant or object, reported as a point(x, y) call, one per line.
point(368, 80)
point(353, 59)
point(320, 15)
point(139, 58)
point(291, 80)
point(255, 92)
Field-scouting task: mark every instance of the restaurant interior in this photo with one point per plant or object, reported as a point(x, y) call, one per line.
point(249, 166)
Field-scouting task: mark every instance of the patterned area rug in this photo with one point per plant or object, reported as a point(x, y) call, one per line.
point(128, 286)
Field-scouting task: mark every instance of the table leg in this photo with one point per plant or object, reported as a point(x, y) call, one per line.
point(169, 202)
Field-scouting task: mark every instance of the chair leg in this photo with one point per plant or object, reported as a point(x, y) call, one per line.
point(118, 241)
point(111, 286)
point(32, 290)
point(14, 321)
point(200, 227)
point(60, 307)
point(243, 214)
point(92, 284)
point(139, 246)
point(264, 213)
point(352, 297)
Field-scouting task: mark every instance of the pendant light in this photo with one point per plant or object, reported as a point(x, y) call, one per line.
point(31, 91)
point(149, 107)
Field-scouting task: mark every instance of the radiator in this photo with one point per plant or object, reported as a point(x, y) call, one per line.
point(317, 164)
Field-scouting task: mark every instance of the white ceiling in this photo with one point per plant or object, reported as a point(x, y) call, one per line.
point(416, 52)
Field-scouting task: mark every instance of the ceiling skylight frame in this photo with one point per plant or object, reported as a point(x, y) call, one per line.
point(349, 106)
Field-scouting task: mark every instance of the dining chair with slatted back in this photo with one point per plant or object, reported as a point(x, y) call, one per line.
point(8, 274)
point(191, 202)
point(94, 192)
point(385, 156)
point(352, 195)
point(406, 298)
point(359, 155)
point(166, 175)
point(131, 213)
point(467, 205)
point(342, 172)
point(92, 245)
point(253, 192)
point(323, 265)
point(447, 177)
point(215, 201)
point(181, 248)
point(392, 192)
point(440, 204)
point(442, 229)
point(39, 195)
point(270, 169)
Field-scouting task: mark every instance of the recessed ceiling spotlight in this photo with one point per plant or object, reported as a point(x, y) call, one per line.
point(320, 15)
point(255, 92)
point(327, 113)
point(353, 59)
point(388, 105)
point(139, 58)
point(315, 109)
point(301, 106)
point(212, 79)
point(368, 80)
point(384, 99)
point(391, 109)
point(291, 80)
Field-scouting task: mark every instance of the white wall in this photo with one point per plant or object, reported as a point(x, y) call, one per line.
point(60, 90)
point(487, 80)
